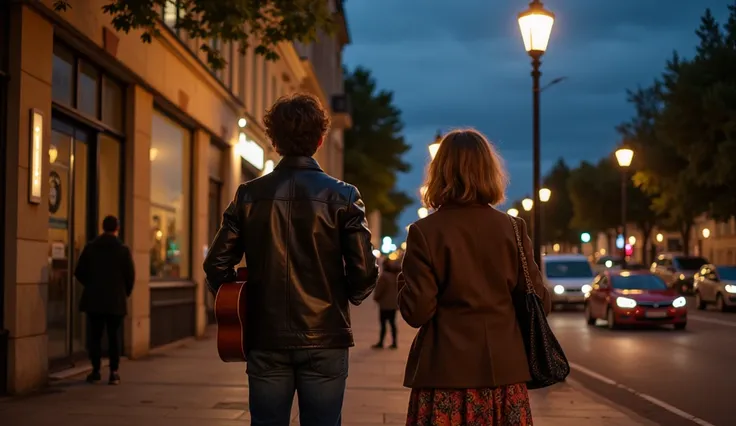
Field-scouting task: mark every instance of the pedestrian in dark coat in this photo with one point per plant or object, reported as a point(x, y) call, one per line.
point(107, 273)
point(386, 295)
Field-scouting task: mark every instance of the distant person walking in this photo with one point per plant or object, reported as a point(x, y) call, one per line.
point(461, 280)
point(106, 271)
point(385, 295)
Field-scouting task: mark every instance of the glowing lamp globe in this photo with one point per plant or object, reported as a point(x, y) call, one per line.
point(544, 195)
point(536, 24)
point(435, 146)
point(527, 204)
point(512, 212)
point(624, 156)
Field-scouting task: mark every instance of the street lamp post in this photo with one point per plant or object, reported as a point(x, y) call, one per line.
point(624, 157)
point(544, 196)
point(536, 26)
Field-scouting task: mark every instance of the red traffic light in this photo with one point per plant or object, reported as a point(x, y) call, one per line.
point(629, 249)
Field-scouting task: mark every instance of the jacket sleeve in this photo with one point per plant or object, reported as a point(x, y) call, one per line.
point(82, 270)
point(418, 283)
point(361, 268)
point(534, 272)
point(227, 248)
point(129, 270)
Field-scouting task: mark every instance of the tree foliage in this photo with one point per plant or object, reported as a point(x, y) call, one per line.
point(374, 147)
point(269, 22)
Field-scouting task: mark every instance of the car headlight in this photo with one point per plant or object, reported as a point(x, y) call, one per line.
point(679, 302)
point(730, 288)
point(625, 302)
point(586, 288)
point(559, 289)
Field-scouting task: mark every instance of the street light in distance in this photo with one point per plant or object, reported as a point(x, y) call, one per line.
point(422, 212)
point(512, 212)
point(435, 146)
point(545, 194)
point(624, 156)
point(527, 204)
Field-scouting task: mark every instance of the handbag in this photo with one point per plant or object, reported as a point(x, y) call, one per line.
point(547, 361)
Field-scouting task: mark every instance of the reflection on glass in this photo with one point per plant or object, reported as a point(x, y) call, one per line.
point(57, 313)
point(62, 79)
point(112, 104)
point(87, 91)
point(170, 203)
point(79, 170)
point(108, 202)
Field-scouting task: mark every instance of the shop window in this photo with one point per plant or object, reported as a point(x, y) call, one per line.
point(62, 90)
point(170, 157)
point(108, 202)
point(87, 92)
point(112, 103)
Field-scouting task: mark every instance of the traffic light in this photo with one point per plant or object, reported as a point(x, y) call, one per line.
point(629, 250)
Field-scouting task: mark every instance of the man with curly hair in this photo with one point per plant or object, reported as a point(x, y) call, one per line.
point(307, 245)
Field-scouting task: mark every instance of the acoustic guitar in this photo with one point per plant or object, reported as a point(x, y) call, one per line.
point(230, 314)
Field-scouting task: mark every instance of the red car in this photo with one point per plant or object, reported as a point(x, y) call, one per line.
point(634, 298)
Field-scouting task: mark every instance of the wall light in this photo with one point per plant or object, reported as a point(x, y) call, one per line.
point(250, 151)
point(153, 153)
point(35, 165)
point(53, 154)
point(242, 123)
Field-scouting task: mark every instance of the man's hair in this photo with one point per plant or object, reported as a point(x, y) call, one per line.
point(110, 224)
point(466, 170)
point(296, 125)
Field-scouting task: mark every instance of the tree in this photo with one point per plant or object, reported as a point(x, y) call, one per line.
point(270, 22)
point(595, 193)
point(558, 211)
point(374, 148)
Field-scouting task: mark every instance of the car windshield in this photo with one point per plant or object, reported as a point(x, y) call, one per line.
point(568, 269)
point(638, 282)
point(727, 273)
point(690, 263)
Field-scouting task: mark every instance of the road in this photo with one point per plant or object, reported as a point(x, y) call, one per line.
point(663, 375)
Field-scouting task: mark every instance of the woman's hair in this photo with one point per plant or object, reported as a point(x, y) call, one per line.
point(466, 170)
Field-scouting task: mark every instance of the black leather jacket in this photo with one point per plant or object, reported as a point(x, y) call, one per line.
point(308, 251)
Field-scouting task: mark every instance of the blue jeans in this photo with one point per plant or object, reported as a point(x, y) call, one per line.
point(318, 377)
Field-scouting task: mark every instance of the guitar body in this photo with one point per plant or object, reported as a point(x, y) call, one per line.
point(230, 314)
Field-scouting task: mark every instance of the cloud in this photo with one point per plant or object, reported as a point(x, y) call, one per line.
point(462, 64)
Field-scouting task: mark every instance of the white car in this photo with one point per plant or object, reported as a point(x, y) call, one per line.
point(568, 278)
point(716, 285)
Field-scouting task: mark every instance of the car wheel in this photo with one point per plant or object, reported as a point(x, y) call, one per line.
point(611, 319)
point(589, 315)
point(699, 303)
point(720, 303)
point(680, 326)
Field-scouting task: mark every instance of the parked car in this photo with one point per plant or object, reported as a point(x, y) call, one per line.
point(678, 270)
point(607, 262)
point(634, 298)
point(568, 277)
point(716, 285)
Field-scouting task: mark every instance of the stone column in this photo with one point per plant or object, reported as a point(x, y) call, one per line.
point(137, 217)
point(199, 223)
point(26, 225)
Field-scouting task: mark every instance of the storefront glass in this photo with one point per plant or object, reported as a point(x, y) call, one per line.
point(170, 199)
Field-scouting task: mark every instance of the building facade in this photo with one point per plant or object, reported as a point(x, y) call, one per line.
point(98, 123)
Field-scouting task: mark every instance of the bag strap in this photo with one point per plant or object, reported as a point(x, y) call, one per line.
point(522, 256)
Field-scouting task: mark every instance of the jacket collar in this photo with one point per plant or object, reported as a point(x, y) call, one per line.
point(298, 162)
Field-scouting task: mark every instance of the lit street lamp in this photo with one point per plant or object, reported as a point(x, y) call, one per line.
point(435, 146)
point(527, 204)
point(544, 195)
point(512, 212)
point(422, 212)
point(624, 156)
point(536, 27)
point(706, 233)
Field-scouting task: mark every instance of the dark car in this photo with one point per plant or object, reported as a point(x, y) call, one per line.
point(634, 298)
point(678, 270)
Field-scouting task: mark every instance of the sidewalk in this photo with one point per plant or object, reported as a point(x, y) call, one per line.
point(189, 386)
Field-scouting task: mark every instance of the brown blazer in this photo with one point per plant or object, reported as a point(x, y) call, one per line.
point(460, 272)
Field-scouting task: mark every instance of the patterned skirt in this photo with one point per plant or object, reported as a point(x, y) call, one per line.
point(502, 406)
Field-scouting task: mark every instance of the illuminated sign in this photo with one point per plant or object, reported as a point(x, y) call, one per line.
point(250, 151)
point(34, 159)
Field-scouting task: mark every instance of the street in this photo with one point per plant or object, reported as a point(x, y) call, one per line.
point(189, 385)
point(661, 374)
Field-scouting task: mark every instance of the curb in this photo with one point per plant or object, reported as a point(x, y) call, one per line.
point(578, 386)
